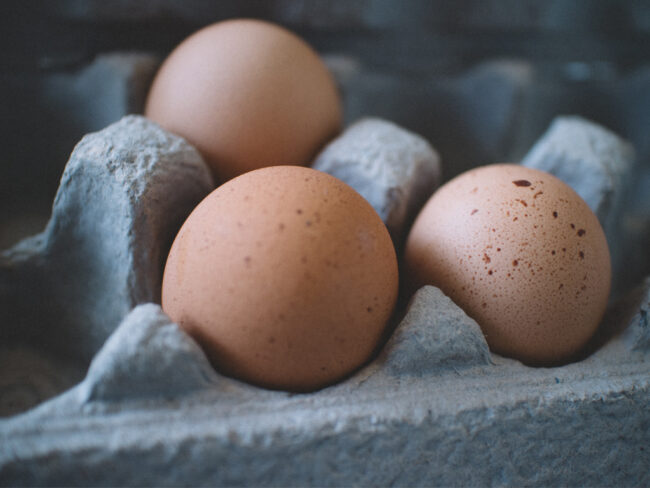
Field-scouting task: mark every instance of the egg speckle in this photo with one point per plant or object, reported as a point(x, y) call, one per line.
point(247, 93)
point(285, 275)
point(521, 253)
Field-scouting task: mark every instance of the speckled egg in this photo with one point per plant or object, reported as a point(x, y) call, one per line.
point(285, 275)
point(521, 253)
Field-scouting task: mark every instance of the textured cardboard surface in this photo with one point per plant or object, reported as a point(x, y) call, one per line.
point(394, 169)
point(581, 424)
point(435, 407)
point(123, 196)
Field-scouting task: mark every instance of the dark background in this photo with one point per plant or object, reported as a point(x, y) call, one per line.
point(480, 79)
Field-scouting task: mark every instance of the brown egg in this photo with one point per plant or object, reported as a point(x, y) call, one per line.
point(521, 253)
point(285, 275)
point(247, 94)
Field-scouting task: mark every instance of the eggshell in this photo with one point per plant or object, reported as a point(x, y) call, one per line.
point(521, 253)
point(285, 275)
point(247, 94)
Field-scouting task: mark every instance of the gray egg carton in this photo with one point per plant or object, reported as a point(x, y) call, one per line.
point(99, 387)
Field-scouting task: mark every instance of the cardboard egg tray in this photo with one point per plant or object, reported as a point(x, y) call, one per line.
point(98, 387)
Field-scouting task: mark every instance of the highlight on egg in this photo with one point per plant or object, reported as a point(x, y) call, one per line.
point(521, 253)
point(247, 94)
point(286, 276)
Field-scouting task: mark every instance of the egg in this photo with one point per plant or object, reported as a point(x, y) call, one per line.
point(285, 275)
point(247, 93)
point(521, 253)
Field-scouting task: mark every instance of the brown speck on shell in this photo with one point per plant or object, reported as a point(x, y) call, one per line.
point(522, 183)
point(474, 211)
point(581, 232)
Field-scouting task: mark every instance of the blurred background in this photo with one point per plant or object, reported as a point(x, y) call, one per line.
point(480, 79)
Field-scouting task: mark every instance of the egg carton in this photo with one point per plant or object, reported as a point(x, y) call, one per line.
point(434, 407)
